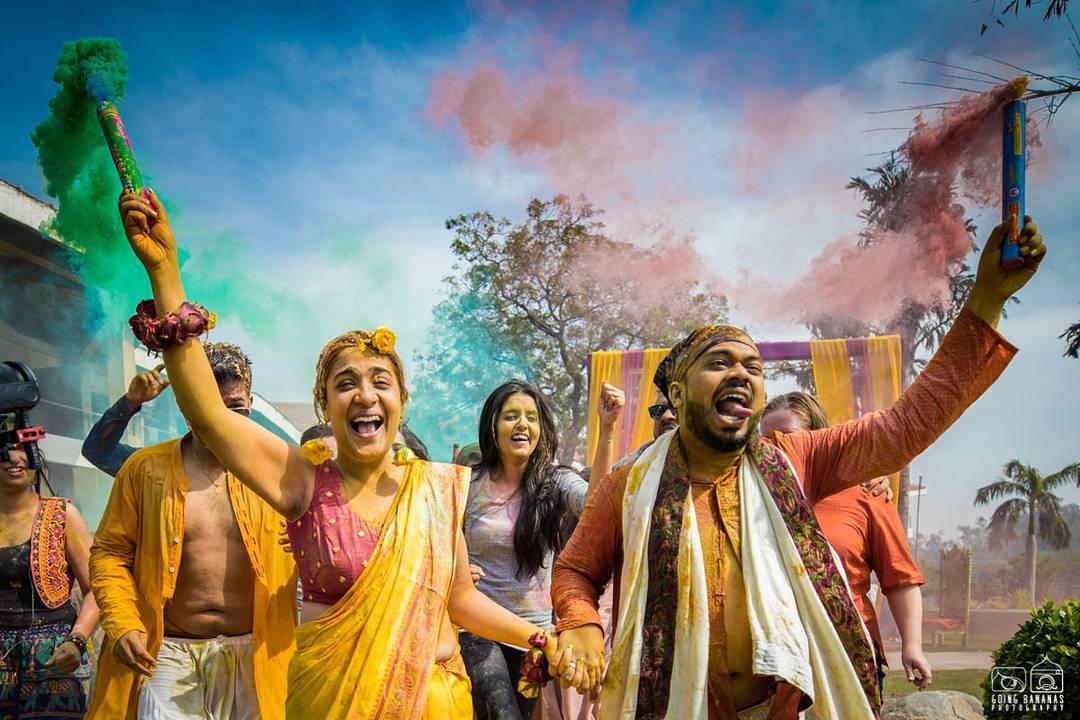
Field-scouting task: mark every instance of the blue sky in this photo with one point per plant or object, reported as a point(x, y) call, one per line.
point(302, 135)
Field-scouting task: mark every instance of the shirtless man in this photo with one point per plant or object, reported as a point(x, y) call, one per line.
point(199, 600)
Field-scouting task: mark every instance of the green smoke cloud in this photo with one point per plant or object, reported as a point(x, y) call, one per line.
point(79, 172)
point(326, 291)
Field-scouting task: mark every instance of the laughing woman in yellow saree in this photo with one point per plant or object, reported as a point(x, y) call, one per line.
point(376, 536)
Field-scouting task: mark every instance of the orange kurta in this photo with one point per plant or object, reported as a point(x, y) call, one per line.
point(866, 533)
point(972, 355)
point(133, 567)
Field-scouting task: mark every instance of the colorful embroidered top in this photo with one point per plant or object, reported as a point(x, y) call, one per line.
point(34, 577)
point(330, 542)
point(48, 552)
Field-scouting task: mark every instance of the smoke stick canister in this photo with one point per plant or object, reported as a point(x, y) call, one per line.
point(1013, 160)
point(120, 147)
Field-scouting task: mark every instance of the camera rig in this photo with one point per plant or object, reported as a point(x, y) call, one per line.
point(19, 394)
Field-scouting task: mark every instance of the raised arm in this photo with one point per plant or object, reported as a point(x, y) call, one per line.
point(612, 401)
point(102, 446)
point(970, 359)
point(261, 460)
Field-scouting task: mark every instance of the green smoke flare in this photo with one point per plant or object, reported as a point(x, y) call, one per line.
point(79, 172)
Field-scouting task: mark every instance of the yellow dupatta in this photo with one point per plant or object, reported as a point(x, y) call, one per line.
point(371, 654)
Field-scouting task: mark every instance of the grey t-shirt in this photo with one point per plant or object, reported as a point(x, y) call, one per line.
point(489, 533)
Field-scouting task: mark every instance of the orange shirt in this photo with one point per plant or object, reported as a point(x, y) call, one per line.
point(133, 562)
point(866, 533)
point(972, 355)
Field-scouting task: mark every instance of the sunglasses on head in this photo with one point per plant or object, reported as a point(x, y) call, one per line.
point(657, 410)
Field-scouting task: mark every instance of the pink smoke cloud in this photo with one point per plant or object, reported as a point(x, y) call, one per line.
point(909, 255)
point(585, 142)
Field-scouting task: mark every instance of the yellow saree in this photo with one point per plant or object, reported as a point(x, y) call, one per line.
point(372, 654)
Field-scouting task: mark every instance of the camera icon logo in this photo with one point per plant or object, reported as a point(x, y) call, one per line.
point(1047, 677)
point(1008, 679)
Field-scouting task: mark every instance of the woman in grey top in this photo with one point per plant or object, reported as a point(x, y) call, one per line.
point(517, 501)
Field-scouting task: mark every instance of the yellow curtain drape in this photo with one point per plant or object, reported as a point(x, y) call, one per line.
point(643, 424)
point(832, 378)
point(885, 360)
point(605, 366)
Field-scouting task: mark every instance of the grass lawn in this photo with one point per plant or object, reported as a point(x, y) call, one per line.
point(963, 680)
point(952, 643)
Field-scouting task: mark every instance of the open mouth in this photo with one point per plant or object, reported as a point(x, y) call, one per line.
point(732, 406)
point(520, 437)
point(366, 426)
point(15, 472)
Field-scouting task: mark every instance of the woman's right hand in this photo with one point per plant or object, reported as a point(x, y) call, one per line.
point(148, 231)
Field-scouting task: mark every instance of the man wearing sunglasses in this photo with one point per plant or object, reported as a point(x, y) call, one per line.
point(663, 420)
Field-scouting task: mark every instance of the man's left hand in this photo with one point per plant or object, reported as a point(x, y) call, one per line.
point(879, 486)
point(995, 285)
point(612, 400)
point(916, 667)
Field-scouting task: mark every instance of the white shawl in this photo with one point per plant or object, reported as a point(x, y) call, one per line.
point(794, 640)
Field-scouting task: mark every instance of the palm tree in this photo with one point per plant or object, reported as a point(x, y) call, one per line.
point(1071, 336)
point(1030, 493)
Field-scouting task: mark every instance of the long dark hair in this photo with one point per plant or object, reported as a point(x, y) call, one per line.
point(536, 532)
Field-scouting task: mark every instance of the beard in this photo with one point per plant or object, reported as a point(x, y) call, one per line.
point(724, 440)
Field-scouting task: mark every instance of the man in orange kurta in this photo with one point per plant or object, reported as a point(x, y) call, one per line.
point(866, 532)
point(721, 385)
point(198, 599)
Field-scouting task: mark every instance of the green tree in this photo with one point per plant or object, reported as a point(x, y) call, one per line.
point(1030, 496)
point(535, 298)
point(1000, 8)
point(461, 363)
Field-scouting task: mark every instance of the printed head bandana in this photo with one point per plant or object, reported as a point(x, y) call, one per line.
point(675, 364)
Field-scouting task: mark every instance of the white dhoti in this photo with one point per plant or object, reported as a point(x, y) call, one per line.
point(201, 679)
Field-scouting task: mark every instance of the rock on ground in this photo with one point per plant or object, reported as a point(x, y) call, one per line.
point(932, 705)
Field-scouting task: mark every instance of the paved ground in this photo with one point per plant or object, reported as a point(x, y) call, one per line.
point(947, 660)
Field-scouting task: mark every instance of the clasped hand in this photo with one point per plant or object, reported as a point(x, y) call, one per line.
point(580, 662)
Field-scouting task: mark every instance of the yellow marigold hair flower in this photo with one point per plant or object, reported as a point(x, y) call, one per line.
point(315, 452)
point(383, 340)
point(403, 455)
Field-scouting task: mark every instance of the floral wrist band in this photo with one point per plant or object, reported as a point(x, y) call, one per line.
point(534, 668)
point(164, 333)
